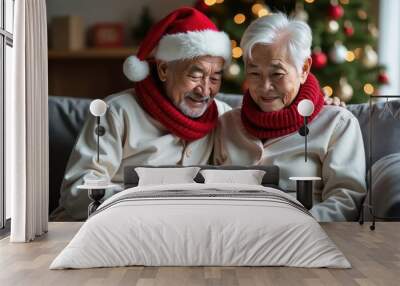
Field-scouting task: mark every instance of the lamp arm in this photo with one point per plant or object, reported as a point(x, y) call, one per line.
point(305, 138)
point(98, 140)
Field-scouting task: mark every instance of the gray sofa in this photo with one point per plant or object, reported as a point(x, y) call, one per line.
point(67, 115)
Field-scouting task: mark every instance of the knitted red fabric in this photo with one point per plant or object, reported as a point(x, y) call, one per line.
point(267, 125)
point(160, 108)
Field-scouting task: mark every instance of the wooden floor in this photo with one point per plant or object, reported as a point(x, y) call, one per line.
point(374, 255)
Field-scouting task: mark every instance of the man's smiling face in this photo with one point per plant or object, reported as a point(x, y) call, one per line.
point(192, 84)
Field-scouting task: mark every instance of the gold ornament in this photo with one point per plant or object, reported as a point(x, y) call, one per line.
point(344, 90)
point(332, 27)
point(370, 57)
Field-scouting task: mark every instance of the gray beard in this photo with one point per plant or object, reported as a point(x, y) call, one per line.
point(189, 111)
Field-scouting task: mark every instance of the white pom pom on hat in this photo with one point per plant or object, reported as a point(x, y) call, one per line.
point(185, 33)
point(135, 69)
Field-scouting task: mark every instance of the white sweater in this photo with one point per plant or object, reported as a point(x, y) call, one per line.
point(335, 153)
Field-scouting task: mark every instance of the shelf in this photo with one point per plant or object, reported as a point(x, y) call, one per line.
point(90, 73)
point(93, 53)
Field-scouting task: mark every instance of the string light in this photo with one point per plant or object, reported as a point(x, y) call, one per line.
point(309, 1)
point(220, 1)
point(369, 88)
point(350, 56)
point(234, 69)
point(210, 2)
point(262, 12)
point(256, 7)
point(239, 18)
point(237, 52)
point(327, 90)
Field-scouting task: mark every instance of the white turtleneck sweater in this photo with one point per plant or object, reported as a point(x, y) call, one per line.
point(335, 153)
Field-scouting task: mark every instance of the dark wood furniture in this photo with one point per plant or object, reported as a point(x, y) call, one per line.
point(90, 73)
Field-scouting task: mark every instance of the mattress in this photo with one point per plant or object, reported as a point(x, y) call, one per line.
point(201, 225)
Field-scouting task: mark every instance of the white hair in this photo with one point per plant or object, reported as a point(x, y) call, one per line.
point(295, 34)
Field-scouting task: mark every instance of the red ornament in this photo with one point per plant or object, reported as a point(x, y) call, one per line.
point(335, 12)
point(383, 78)
point(319, 60)
point(349, 31)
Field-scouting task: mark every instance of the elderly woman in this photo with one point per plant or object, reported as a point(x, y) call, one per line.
point(264, 131)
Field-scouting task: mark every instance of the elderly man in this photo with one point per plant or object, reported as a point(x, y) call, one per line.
point(169, 116)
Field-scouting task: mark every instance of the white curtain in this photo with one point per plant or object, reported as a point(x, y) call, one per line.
point(389, 44)
point(27, 124)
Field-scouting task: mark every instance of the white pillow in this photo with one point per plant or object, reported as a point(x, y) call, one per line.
point(385, 186)
point(164, 176)
point(248, 177)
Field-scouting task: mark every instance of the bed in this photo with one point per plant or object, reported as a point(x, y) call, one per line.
point(199, 223)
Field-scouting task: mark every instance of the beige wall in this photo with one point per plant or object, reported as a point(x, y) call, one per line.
point(126, 11)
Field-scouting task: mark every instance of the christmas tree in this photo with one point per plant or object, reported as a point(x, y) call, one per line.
point(344, 41)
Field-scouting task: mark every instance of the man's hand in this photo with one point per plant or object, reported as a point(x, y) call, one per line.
point(334, 101)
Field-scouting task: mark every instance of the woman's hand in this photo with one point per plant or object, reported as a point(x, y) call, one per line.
point(334, 101)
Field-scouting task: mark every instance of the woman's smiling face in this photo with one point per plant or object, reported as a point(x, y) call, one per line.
point(272, 78)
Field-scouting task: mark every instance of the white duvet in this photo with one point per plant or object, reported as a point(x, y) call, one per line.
point(265, 229)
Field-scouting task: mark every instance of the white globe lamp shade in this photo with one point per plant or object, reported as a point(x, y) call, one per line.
point(305, 107)
point(98, 107)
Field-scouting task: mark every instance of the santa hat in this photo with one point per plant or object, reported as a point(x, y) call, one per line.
point(186, 33)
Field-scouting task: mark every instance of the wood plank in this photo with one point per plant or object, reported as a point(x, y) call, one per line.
point(375, 257)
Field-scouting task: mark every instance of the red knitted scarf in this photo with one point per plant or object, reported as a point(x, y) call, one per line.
point(161, 109)
point(267, 125)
